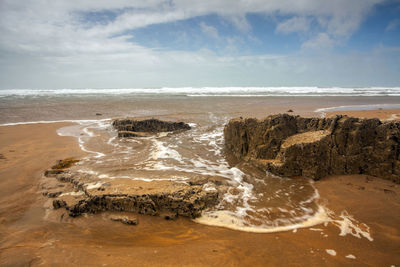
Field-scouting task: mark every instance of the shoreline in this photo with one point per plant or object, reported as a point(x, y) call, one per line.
point(382, 114)
point(30, 237)
point(376, 111)
point(87, 108)
point(30, 146)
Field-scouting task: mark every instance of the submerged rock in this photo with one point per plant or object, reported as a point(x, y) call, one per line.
point(315, 147)
point(142, 128)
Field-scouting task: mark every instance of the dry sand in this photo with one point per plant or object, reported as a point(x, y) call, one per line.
point(31, 236)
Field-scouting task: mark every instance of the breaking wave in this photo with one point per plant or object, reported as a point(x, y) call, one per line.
point(213, 91)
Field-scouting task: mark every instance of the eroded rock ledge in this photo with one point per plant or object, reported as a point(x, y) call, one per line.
point(82, 193)
point(142, 128)
point(315, 147)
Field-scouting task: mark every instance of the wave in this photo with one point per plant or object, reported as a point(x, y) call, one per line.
point(212, 91)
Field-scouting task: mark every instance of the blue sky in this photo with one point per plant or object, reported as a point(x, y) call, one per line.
point(175, 43)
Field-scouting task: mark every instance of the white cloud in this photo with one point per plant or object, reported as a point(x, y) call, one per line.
point(48, 42)
point(295, 24)
point(240, 22)
point(209, 30)
point(151, 68)
point(41, 17)
point(321, 41)
point(393, 25)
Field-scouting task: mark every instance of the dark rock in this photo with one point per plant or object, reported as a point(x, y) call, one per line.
point(137, 128)
point(125, 220)
point(98, 114)
point(132, 134)
point(52, 194)
point(290, 110)
point(57, 203)
point(315, 147)
point(169, 215)
point(64, 163)
point(52, 173)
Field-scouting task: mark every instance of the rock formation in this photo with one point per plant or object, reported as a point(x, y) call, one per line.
point(82, 193)
point(315, 147)
point(142, 128)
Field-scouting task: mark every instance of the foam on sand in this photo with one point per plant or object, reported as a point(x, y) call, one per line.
point(348, 225)
point(331, 252)
point(79, 193)
point(230, 220)
point(351, 256)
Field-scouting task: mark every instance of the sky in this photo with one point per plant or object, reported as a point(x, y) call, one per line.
point(179, 43)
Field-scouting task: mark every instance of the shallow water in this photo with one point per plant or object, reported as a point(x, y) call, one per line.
point(254, 201)
point(33, 108)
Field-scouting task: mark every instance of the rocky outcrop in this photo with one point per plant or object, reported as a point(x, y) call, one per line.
point(82, 193)
point(315, 147)
point(142, 128)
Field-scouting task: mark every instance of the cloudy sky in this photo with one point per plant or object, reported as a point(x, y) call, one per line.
point(175, 43)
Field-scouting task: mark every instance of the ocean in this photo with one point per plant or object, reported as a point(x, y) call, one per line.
point(30, 105)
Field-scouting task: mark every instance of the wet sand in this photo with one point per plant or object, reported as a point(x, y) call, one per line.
point(31, 236)
point(382, 114)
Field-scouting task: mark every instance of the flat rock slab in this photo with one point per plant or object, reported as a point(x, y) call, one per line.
point(82, 193)
point(304, 138)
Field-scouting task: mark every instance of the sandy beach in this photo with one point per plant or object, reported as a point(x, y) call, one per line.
point(31, 235)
